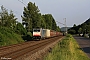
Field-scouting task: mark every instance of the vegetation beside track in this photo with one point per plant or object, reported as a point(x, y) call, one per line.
point(67, 49)
point(8, 37)
point(16, 32)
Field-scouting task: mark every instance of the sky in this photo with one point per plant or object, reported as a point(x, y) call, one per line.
point(75, 11)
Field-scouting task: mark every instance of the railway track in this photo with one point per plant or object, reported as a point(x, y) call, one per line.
point(18, 50)
point(7, 49)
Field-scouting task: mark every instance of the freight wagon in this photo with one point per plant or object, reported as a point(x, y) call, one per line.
point(39, 33)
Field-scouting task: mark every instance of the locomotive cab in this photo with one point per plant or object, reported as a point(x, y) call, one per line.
point(36, 33)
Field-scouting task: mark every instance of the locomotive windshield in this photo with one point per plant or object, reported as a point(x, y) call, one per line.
point(36, 30)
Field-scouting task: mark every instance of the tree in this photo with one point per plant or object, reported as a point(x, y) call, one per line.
point(72, 31)
point(30, 16)
point(74, 25)
point(88, 29)
point(80, 31)
point(58, 29)
point(48, 20)
point(7, 19)
point(54, 26)
point(3, 15)
point(20, 29)
point(11, 20)
point(42, 21)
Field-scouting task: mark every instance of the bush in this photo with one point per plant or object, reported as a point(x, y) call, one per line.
point(29, 34)
point(8, 37)
point(20, 29)
point(89, 35)
point(71, 31)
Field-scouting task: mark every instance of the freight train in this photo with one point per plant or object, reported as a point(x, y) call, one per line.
point(39, 33)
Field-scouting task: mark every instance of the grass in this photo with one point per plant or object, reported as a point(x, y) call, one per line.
point(67, 49)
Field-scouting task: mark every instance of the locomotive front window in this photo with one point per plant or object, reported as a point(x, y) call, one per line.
point(36, 30)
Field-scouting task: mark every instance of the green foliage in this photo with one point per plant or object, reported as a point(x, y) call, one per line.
point(89, 35)
point(7, 18)
point(50, 22)
point(80, 30)
point(54, 25)
point(43, 23)
point(29, 34)
point(8, 37)
point(83, 28)
point(20, 29)
point(71, 31)
point(67, 49)
point(32, 18)
point(1, 37)
point(88, 29)
point(74, 25)
point(58, 29)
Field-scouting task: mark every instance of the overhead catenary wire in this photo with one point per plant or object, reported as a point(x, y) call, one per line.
point(8, 9)
point(16, 12)
point(22, 2)
point(60, 23)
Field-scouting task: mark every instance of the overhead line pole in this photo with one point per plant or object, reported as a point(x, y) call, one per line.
point(64, 25)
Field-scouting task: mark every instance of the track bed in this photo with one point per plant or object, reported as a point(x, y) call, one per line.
point(23, 50)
